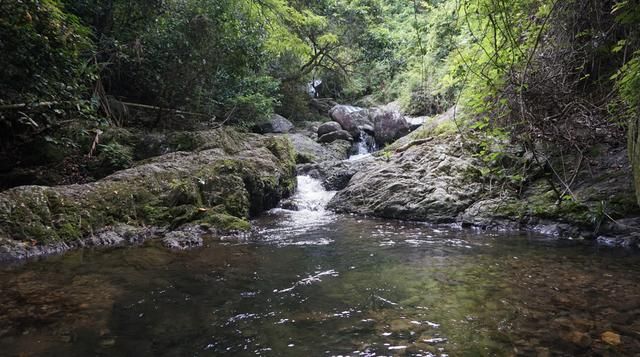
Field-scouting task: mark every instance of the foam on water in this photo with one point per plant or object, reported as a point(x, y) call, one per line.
point(309, 203)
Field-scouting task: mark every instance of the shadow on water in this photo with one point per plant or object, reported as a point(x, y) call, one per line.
point(309, 282)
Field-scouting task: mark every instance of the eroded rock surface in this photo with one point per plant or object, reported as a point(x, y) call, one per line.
point(433, 182)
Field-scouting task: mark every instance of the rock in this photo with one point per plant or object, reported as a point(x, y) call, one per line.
point(433, 181)
point(579, 339)
point(415, 122)
point(222, 186)
point(310, 151)
point(117, 235)
point(610, 338)
point(352, 119)
point(187, 238)
point(276, 124)
point(336, 135)
point(389, 126)
point(364, 144)
point(323, 105)
point(328, 127)
point(335, 175)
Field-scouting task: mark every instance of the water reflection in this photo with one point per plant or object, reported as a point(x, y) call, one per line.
point(432, 292)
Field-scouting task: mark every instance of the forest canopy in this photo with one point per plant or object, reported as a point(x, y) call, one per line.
point(536, 71)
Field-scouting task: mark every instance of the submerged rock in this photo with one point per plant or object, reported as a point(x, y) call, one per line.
point(610, 338)
point(579, 339)
point(234, 180)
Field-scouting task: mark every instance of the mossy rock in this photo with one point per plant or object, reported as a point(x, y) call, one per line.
point(168, 191)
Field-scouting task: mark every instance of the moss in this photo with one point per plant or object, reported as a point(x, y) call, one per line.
point(220, 191)
point(305, 158)
point(225, 222)
point(68, 231)
point(184, 141)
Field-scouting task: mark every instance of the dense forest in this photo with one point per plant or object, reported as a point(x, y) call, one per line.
point(537, 72)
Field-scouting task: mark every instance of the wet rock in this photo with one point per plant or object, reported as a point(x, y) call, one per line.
point(117, 235)
point(389, 126)
point(352, 119)
point(276, 124)
point(186, 238)
point(335, 175)
point(335, 135)
point(610, 338)
point(328, 128)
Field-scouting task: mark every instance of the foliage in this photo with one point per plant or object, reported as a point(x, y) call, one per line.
point(44, 72)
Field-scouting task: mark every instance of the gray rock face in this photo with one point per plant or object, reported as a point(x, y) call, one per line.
point(328, 127)
point(310, 151)
point(277, 124)
point(335, 175)
point(389, 126)
point(429, 182)
point(352, 119)
point(335, 135)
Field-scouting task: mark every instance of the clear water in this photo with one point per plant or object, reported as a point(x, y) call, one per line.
point(312, 283)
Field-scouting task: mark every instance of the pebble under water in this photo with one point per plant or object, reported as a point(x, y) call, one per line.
point(312, 283)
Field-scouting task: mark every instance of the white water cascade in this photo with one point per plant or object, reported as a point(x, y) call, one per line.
point(304, 212)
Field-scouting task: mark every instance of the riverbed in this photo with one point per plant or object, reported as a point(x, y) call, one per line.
point(307, 282)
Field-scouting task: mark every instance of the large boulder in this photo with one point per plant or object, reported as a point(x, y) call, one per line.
point(352, 119)
point(389, 126)
point(430, 181)
point(335, 135)
point(328, 127)
point(310, 151)
point(276, 124)
point(219, 187)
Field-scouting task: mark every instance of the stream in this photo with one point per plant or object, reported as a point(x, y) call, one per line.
point(308, 282)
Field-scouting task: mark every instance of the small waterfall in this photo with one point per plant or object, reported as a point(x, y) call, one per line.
point(364, 146)
point(299, 215)
point(310, 195)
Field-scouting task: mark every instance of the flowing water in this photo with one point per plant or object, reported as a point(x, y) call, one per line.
point(312, 283)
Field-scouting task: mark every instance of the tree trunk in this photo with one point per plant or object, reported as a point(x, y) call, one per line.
point(634, 152)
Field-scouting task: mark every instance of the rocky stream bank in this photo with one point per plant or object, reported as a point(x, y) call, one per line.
point(425, 172)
